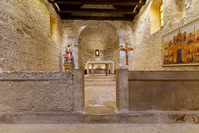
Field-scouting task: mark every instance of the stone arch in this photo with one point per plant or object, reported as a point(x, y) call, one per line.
point(86, 27)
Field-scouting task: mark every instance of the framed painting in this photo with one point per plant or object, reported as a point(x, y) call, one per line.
point(181, 46)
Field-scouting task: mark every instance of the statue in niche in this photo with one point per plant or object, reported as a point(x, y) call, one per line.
point(68, 59)
point(68, 56)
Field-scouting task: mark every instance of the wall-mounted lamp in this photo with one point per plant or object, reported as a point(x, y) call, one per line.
point(97, 52)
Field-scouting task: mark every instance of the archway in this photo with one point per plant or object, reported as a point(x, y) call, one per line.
point(101, 36)
point(99, 92)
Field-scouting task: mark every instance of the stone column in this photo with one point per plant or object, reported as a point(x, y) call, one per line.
point(75, 56)
point(78, 92)
point(122, 90)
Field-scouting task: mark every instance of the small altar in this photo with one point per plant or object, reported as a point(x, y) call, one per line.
point(106, 63)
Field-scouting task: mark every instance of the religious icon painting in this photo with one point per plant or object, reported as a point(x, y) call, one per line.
point(181, 47)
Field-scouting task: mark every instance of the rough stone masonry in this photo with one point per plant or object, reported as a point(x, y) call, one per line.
point(25, 39)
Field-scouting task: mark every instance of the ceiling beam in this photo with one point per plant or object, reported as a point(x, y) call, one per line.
point(95, 18)
point(107, 11)
point(107, 2)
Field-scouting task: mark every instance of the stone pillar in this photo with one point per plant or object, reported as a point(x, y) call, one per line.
point(75, 56)
point(78, 92)
point(122, 90)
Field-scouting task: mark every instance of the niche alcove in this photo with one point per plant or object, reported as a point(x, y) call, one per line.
point(98, 36)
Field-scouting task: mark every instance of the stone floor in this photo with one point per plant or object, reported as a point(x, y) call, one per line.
point(98, 128)
point(100, 110)
point(100, 93)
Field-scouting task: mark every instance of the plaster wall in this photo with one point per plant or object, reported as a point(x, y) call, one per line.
point(25, 39)
point(148, 50)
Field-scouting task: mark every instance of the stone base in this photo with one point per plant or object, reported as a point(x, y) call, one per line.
point(99, 128)
point(137, 117)
point(97, 71)
point(44, 118)
point(68, 66)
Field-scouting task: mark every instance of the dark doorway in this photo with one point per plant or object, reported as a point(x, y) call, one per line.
point(179, 56)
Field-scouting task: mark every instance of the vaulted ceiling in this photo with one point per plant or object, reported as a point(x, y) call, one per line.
point(98, 9)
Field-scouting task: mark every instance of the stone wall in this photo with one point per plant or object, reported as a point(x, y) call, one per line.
point(74, 28)
point(25, 39)
point(164, 90)
point(36, 91)
point(148, 52)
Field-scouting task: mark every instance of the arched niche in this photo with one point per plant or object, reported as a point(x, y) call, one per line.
point(155, 16)
point(53, 28)
point(180, 9)
point(97, 35)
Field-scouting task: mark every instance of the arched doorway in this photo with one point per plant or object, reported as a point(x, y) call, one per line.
point(99, 91)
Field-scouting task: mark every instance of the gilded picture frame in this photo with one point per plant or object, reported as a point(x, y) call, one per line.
point(181, 46)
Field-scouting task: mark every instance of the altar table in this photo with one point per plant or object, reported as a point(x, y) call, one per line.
point(107, 63)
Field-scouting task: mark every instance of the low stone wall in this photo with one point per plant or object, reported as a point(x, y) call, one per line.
point(36, 91)
point(164, 90)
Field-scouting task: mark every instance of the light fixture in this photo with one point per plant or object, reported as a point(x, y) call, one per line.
point(97, 52)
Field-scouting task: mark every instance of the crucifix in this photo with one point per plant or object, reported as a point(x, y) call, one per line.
point(126, 50)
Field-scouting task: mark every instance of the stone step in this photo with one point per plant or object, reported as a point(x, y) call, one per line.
point(44, 118)
point(99, 110)
point(136, 117)
point(100, 77)
point(105, 84)
point(99, 128)
point(99, 80)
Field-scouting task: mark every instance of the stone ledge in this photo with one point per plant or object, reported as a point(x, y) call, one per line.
point(137, 117)
point(43, 118)
point(164, 75)
point(42, 75)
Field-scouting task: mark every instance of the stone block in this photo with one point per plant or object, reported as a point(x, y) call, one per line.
point(122, 90)
point(78, 90)
point(37, 91)
point(163, 90)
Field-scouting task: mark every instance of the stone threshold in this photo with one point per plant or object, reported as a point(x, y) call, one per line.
point(134, 117)
point(99, 128)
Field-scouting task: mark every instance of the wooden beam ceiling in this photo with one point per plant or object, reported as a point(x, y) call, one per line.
point(121, 9)
point(107, 2)
point(95, 18)
point(115, 11)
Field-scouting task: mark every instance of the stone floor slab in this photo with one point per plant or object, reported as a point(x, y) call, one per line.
point(98, 128)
